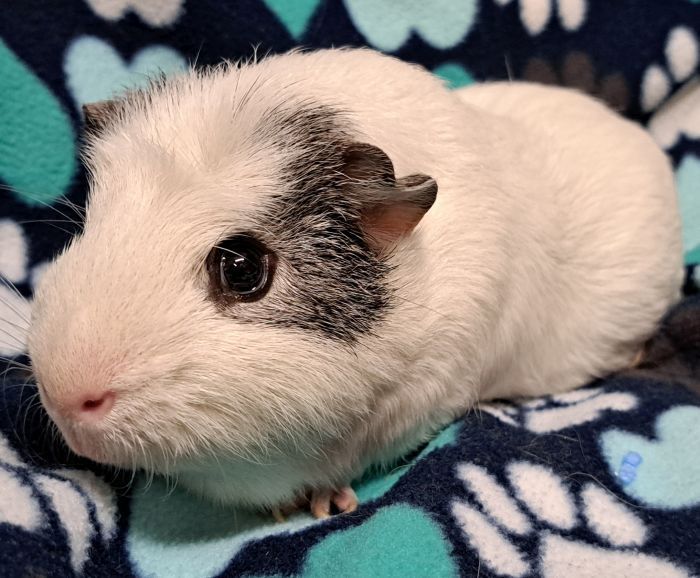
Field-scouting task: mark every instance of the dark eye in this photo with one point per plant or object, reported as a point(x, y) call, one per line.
point(241, 267)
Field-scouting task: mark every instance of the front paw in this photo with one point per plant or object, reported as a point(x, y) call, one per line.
point(325, 503)
point(321, 503)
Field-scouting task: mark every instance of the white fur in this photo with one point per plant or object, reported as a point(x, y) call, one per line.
point(548, 258)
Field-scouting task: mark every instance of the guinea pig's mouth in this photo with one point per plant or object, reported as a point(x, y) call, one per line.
point(90, 442)
point(87, 440)
point(87, 444)
point(110, 447)
point(78, 445)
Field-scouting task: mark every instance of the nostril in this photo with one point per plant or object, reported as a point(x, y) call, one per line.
point(91, 404)
point(98, 405)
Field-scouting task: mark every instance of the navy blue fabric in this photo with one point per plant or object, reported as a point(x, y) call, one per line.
point(635, 437)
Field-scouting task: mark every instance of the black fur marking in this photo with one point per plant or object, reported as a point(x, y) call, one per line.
point(99, 115)
point(338, 288)
point(338, 283)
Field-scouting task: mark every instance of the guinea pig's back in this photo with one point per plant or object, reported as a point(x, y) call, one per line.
point(615, 258)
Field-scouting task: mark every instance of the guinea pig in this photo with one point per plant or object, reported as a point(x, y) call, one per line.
point(296, 268)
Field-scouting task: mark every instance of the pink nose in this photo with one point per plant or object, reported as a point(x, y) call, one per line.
point(95, 406)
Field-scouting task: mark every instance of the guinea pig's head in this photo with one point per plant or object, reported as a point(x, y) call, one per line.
point(233, 264)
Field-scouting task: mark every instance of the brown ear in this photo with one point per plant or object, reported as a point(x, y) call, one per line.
point(390, 207)
point(99, 115)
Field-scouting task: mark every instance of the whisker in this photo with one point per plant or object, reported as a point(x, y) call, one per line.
point(44, 221)
point(12, 287)
point(14, 308)
point(424, 307)
point(43, 203)
point(21, 328)
point(509, 72)
point(77, 209)
point(14, 340)
point(30, 403)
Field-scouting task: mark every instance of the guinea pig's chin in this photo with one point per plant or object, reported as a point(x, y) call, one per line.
point(79, 446)
point(87, 444)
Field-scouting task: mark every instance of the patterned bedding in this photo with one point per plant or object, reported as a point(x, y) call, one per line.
point(604, 481)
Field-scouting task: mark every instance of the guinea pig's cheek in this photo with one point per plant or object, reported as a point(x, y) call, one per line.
point(51, 409)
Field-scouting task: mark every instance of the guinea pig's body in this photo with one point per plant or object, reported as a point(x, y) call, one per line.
point(547, 258)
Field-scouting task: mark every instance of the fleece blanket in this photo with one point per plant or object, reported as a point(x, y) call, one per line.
point(600, 482)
